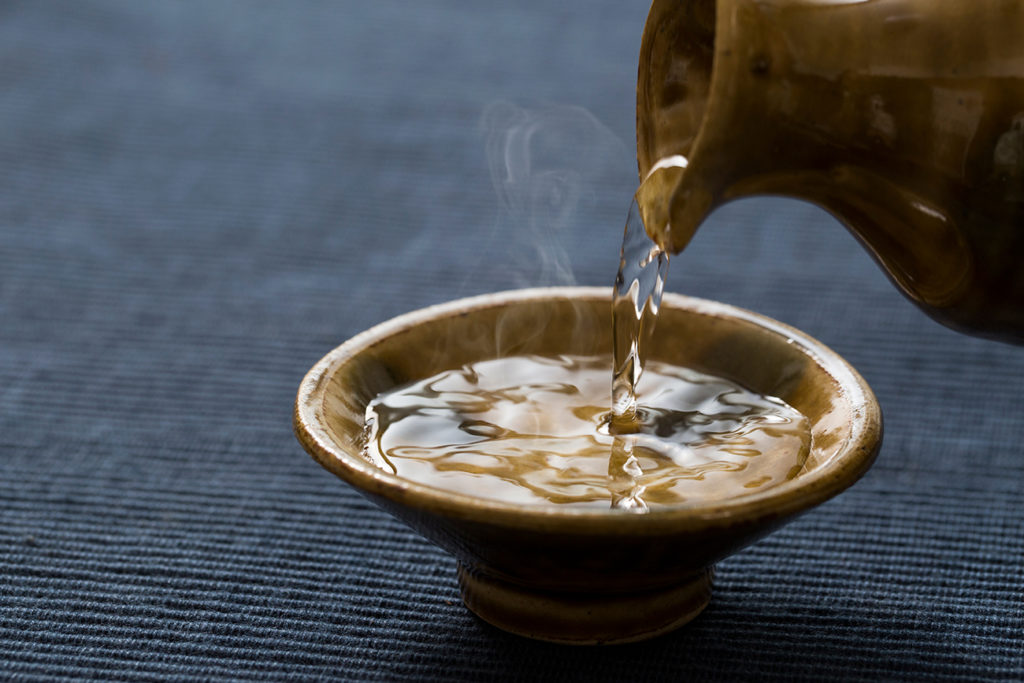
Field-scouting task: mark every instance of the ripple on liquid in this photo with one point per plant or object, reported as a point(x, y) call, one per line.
point(534, 430)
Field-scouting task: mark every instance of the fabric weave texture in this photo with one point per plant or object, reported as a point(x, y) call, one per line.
point(199, 199)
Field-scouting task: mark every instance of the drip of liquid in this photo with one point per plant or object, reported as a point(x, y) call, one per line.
point(536, 430)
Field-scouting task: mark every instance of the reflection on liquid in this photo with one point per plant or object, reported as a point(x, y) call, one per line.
point(535, 430)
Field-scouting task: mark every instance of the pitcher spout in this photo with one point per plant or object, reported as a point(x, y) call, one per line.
point(902, 118)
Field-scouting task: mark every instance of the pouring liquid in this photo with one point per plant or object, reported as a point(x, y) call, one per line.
point(538, 430)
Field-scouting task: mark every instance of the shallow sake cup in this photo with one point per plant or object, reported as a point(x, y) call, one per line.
point(583, 575)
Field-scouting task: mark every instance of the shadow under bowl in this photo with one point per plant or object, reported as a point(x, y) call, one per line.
point(583, 575)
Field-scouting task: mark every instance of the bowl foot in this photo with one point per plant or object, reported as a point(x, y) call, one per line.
point(584, 618)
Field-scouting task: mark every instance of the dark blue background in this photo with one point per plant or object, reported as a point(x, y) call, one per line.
point(198, 199)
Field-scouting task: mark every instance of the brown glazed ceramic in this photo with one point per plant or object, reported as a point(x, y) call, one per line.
point(903, 118)
point(589, 575)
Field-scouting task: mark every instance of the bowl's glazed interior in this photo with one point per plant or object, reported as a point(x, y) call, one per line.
point(589, 575)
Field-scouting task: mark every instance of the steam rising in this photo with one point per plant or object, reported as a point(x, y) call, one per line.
point(546, 165)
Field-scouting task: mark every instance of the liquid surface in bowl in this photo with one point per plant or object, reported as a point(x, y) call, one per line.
point(535, 430)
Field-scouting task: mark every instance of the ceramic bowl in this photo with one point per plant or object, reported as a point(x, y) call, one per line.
point(589, 575)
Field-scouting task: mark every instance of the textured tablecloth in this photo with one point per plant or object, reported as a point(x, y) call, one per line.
point(198, 199)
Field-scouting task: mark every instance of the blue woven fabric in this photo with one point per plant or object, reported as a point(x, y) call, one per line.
point(199, 199)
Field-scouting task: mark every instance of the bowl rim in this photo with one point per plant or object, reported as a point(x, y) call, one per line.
point(851, 461)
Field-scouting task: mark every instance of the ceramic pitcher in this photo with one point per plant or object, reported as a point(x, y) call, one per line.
point(903, 118)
